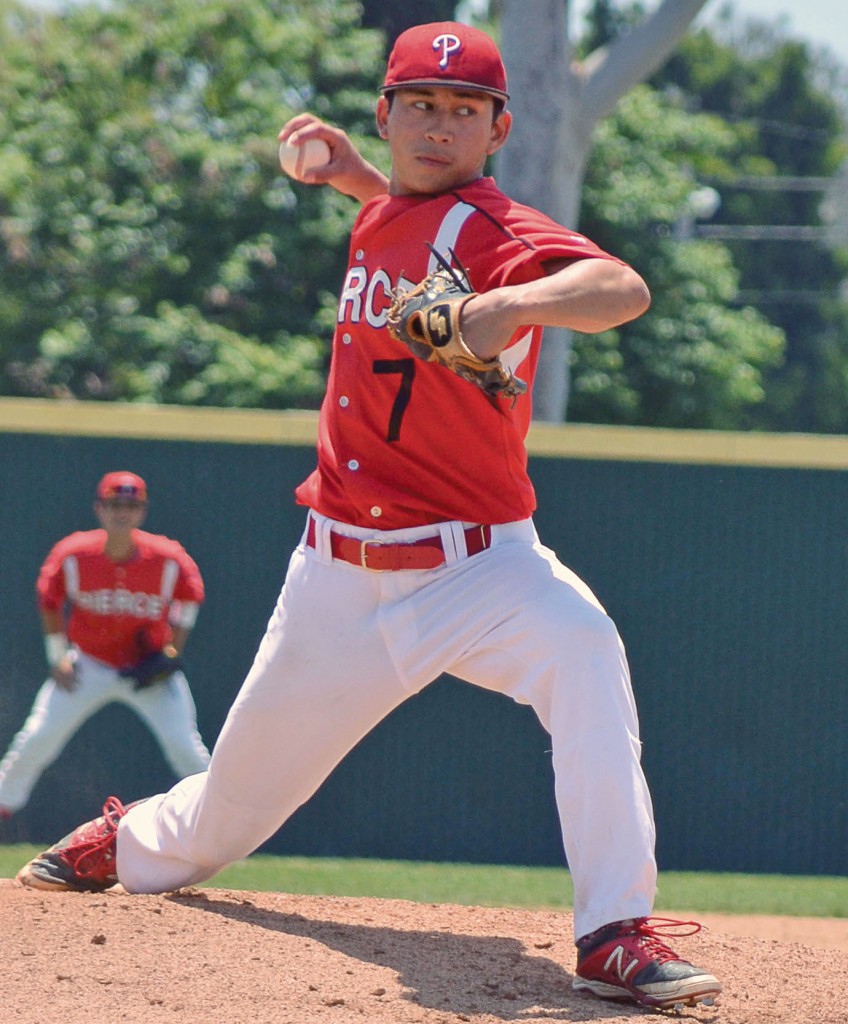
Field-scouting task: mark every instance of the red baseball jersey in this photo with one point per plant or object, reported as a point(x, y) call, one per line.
point(402, 442)
point(118, 611)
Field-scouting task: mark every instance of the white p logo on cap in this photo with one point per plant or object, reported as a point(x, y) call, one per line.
point(448, 44)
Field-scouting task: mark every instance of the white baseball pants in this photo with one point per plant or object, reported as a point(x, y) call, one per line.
point(346, 645)
point(166, 708)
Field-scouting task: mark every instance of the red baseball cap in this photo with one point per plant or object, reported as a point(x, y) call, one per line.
point(122, 485)
point(446, 53)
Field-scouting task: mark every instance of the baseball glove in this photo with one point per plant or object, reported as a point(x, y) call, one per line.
point(427, 320)
point(153, 668)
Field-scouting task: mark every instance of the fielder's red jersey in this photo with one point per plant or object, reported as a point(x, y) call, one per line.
point(118, 610)
point(405, 443)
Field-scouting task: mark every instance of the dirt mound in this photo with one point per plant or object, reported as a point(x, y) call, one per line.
point(220, 957)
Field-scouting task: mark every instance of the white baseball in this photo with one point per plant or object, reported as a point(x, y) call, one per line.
point(296, 160)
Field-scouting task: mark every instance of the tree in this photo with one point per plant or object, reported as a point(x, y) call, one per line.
point(561, 99)
point(150, 247)
point(695, 359)
point(787, 108)
point(393, 18)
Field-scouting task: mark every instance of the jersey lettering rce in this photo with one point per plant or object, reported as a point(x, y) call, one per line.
point(399, 443)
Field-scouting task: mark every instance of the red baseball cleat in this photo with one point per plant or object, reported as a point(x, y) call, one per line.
point(630, 960)
point(84, 861)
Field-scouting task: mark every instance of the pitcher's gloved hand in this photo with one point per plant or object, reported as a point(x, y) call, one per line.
point(427, 320)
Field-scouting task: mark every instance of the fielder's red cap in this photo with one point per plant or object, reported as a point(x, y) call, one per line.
point(446, 53)
point(122, 485)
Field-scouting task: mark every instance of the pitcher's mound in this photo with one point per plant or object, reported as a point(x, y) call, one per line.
point(215, 956)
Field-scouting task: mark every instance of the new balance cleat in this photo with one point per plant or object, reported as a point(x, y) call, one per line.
point(84, 861)
point(629, 960)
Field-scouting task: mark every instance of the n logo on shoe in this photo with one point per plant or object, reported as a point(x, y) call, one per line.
point(616, 958)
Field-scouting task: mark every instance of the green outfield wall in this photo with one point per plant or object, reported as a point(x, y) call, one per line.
point(722, 557)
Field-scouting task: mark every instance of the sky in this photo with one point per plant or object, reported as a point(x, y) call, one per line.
point(820, 22)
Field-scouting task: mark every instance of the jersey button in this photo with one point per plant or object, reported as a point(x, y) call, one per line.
point(353, 464)
point(344, 401)
point(376, 511)
point(346, 338)
point(360, 254)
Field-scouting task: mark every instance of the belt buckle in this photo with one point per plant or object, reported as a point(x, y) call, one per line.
point(363, 554)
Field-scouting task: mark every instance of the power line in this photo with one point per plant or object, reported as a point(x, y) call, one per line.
point(764, 232)
point(784, 128)
point(776, 183)
point(788, 296)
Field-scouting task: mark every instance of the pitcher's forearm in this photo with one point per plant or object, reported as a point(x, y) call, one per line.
point(588, 295)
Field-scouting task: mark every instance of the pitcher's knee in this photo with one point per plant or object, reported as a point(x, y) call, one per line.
point(189, 763)
point(589, 629)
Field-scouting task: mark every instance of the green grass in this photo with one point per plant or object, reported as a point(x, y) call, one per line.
point(530, 888)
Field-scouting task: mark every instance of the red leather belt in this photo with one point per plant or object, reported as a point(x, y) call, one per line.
point(380, 556)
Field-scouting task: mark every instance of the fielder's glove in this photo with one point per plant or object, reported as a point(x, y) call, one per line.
point(153, 668)
point(426, 320)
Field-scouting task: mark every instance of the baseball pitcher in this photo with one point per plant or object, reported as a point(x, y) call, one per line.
point(419, 554)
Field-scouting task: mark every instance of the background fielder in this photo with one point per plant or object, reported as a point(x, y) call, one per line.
point(117, 605)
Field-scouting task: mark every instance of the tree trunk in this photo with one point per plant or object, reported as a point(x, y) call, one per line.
point(556, 103)
point(544, 161)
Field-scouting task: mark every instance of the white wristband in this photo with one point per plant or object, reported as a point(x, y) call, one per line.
point(55, 647)
point(183, 614)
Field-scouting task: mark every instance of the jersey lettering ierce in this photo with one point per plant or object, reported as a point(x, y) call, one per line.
point(119, 611)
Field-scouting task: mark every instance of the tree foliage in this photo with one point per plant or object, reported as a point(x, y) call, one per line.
point(786, 106)
point(150, 247)
point(783, 111)
point(694, 359)
point(392, 17)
